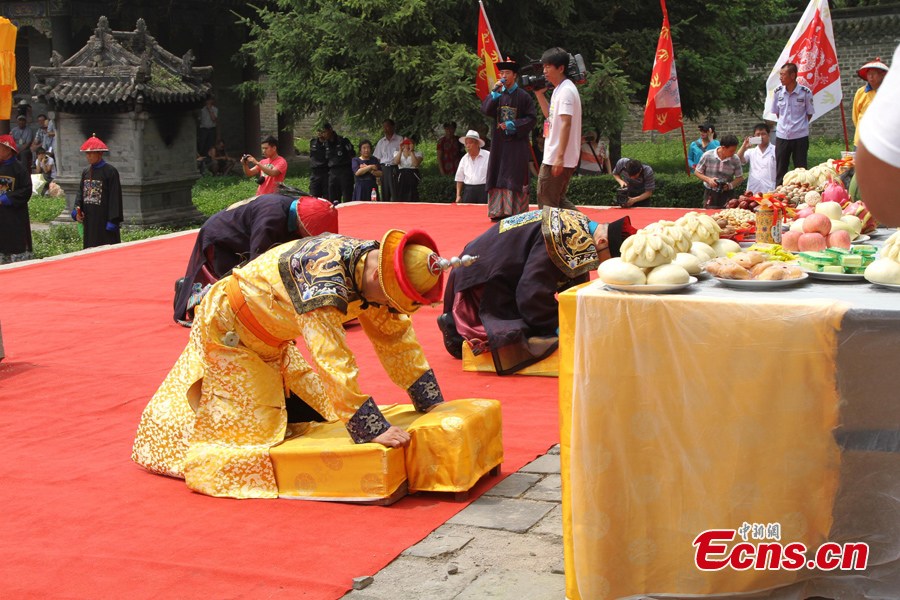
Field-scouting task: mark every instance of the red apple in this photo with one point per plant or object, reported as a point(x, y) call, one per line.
point(839, 239)
point(811, 242)
point(817, 223)
point(733, 203)
point(743, 204)
point(790, 240)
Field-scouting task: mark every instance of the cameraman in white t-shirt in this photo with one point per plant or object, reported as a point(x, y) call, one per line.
point(878, 155)
point(562, 131)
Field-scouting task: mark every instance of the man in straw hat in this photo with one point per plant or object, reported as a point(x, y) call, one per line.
point(514, 113)
point(223, 405)
point(506, 302)
point(98, 200)
point(872, 73)
point(15, 192)
point(242, 233)
point(471, 173)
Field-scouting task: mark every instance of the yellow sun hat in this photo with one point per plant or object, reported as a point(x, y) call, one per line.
point(410, 270)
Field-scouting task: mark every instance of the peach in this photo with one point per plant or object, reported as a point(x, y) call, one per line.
point(839, 239)
point(790, 240)
point(812, 242)
point(817, 223)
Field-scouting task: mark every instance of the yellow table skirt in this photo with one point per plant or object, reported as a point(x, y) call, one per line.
point(451, 448)
point(484, 363)
point(681, 414)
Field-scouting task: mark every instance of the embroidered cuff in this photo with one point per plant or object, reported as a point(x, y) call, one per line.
point(367, 423)
point(425, 392)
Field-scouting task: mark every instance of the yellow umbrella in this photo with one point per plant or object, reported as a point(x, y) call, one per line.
point(7, 66)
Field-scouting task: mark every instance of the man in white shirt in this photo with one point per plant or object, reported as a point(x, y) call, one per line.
point(761, 160)
point(878, 155)
point(471, 175)
point(562, 131)
point(385, 150)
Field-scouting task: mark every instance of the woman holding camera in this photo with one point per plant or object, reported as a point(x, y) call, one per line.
point(407, 161)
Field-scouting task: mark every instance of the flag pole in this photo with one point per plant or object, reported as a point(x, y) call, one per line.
point(687, 167)
point(844, 123)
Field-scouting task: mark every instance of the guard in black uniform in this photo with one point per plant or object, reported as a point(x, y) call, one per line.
point(318, 166)
point(340, 153)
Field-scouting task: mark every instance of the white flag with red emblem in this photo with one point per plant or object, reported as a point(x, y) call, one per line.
point(811, 47)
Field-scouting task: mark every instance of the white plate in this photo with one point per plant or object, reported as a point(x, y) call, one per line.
point(890, 286)
point(860, 239)
point(759, 284)
point(651, 289)
point(835, 276)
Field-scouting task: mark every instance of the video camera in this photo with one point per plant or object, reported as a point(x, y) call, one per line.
point(622, 197)
point(532, 78)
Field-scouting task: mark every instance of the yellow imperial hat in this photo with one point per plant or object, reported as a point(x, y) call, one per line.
point(409, 270)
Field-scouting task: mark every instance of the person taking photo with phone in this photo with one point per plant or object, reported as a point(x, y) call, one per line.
point(761, 159)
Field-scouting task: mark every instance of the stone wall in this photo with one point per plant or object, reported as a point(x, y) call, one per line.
point(860, 35)
point(149, 152)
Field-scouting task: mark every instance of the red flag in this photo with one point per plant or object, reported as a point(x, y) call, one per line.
point(663, 110)
point(811, 47)
point(488, 53)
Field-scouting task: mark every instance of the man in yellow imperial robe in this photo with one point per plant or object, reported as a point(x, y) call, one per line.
point(222, 406)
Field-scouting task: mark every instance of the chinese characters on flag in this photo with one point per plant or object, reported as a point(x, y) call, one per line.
point(663, 110)
point(811, 47)
point(488, 53)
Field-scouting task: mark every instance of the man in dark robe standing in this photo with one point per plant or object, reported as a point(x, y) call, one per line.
point(233, 236)
point(505, 302)
point(98, 200)
point(507, 177)
point(15, 192)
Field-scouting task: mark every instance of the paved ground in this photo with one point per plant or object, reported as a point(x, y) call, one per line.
point(507, 545)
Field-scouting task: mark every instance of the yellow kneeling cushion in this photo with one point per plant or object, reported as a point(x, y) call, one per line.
point(484, 363)
point(451, 448)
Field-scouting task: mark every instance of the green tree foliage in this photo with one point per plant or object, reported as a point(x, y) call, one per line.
point(414, 61)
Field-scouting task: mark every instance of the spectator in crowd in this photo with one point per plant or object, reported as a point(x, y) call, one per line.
point(219, 161)
point(594, 155)
point(792, 103)
point(761, 159)
point(449, 150)
point(878, 157)
point(720, 171)
point(472, 171)
point(318, 165)
point(385, 150)
point(270, 171)
point(339, 153)
point(367, 170)
point(707, 141)
point(239, 234)
point(23, 135)
point(98, 200)
point(407, 161)
point(512, 109)
point(44, 136)
point(45, 166)
point(15, 192)
point(206, 134)
point(873, 74)
point(562, 130)
point(637, 179)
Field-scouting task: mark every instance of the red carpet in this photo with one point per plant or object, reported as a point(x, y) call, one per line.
point(88, 340)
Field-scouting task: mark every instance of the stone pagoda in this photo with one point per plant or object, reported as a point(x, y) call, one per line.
point(139, 99)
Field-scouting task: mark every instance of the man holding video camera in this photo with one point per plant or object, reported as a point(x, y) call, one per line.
point(721, 172)
point(636, 183)
point(562, 131)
